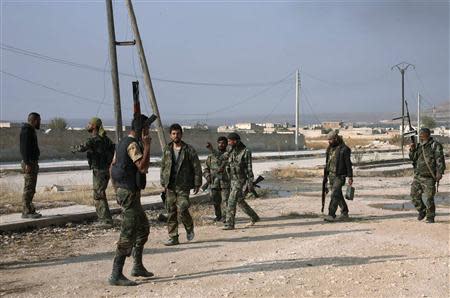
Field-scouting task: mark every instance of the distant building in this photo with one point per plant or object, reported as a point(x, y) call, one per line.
point(332, 124)
point(5, 124)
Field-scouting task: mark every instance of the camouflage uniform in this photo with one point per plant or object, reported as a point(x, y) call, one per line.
point(424, 181)
point(219, 183)
point(29, 187)
point(179, 176)
point(29, 150)
point(336, 182)
point(239, 169)
point(99, 151)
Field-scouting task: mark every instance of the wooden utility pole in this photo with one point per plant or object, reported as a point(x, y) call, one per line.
point(114, 70)
point(146, 73)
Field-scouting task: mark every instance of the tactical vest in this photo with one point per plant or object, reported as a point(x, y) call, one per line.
point(124, 172)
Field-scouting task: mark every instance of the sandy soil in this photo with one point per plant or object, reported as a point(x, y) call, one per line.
point(291, 252)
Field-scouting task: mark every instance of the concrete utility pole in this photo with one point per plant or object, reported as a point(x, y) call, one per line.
point(146, 73)
point(418, 111)
point(297, 108)
point(114, 70)
point(402, 67)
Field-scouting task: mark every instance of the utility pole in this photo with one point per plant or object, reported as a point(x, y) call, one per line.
point(402, 67)
point(146, 73)
point(418, 111)
point(114, 70)
point(297, 108)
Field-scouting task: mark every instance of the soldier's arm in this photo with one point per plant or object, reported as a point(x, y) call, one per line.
point(348, 162)
point(207, 169)
point(197, 169)
point(413, 153)
point(163, 167)
point(88, 145)
point(249, 168)
point(440, 160)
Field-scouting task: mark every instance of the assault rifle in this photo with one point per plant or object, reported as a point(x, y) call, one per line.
point(412, 133)
point(137, 112)
point(324, 188)
point(255, 185)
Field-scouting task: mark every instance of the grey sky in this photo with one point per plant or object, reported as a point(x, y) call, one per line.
point(344, 50)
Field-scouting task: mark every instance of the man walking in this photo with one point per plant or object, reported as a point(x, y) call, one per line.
point(429, 166)
point(217, 178)
point(29, 149)
point(128, 170)
point(240, 171)
point(338, 167)
point(100, 152)
point(180, 172)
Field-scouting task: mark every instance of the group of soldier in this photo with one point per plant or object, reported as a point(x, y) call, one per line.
point(228, 171)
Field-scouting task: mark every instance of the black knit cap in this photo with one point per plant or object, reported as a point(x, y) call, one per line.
point(233, 136)
point(425, 130)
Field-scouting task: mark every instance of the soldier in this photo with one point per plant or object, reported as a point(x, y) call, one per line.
point(100, 152)
point(338, 167)
point(128, 170)
point(429, 166)
point(217, 178)
point(240, 171)
point(29, 149)
point(180, 172)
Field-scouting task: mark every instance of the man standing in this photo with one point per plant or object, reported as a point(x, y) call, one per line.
point(128, 170)
point(240, 171)
point(29, 149)
point(180, 172)
point(338, 167)
point(218, 179)
point(100, 152)
point(429, 166)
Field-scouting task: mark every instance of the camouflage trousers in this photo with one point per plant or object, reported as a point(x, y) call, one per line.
point(135, 228)
point(237, 198)
point(219, 198)
point(177, 206)
point(427, 186)
point(337, 198)
point(100, 179)
point(29, 187)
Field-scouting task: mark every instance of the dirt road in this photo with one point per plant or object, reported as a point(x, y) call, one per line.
point(291, 252)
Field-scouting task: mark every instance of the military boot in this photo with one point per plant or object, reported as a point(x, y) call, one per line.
point(172, 241)
point(430, 220)
point(117, 278)
point(421, 215)
point(138, 267)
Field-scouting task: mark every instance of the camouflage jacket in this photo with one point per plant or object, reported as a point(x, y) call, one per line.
point(434, 155)
point(187, 174)
point(99, 151)
point(239, 165)
point(215, 168)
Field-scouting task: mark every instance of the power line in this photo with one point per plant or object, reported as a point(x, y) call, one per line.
point(249, 98)
point(84, 98)
point(310, 106)
point(344, 84)
point(277, 104)
point(99, 69)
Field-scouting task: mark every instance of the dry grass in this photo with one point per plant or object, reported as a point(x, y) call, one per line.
point(11, 197)
point(296, 172)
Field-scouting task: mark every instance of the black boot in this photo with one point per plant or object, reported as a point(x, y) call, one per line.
point(421, 215)
point(117, 278)
point(138, 267)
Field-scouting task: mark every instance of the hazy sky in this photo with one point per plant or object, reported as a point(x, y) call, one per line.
point(344, 50)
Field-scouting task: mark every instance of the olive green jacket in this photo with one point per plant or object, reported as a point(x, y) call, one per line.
point(188, 173)
point(433, 152)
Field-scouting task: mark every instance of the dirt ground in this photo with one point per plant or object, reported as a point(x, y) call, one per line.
point(383, 251)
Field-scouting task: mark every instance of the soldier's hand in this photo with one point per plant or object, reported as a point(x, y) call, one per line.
point(27, 169)
point(350, 181)
point(146, 139)
point(196, 190)
point(438, 176)
point(412, 146)
point(209, 145)
point(250, 186)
